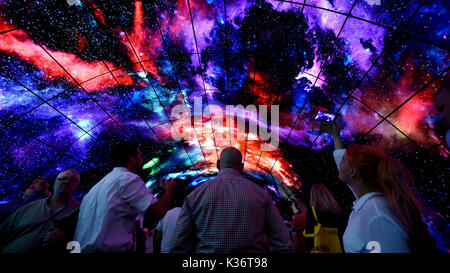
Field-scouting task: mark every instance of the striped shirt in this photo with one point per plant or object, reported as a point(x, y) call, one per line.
point(229, 214)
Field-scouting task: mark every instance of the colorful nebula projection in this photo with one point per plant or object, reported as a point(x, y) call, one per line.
point(77, 77)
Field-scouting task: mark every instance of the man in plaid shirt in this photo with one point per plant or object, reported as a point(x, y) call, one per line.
point(229, 214)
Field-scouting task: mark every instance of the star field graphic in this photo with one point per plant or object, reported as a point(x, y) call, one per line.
point(78, 77)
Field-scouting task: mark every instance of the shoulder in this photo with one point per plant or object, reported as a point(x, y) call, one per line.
point(376, 206)
point(173, 212)
point(33, 204)
point(378, 211)
point(248, 184)
point(75, 203)
point(128, 179)
point(202, 188)
point(30, 207)
point(127, 176)
point(121, 174)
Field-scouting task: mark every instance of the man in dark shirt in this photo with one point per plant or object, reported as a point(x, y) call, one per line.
point(37, 190)
point(42, 224)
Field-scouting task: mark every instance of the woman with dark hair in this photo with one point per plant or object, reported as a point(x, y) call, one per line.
point(323, 209)
point(386, 216)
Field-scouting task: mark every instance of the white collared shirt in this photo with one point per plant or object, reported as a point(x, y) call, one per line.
point(372, 226)
point(108, 212)
point(167, 226)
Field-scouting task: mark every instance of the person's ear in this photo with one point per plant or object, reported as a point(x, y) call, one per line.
point(354, 173)
point(241, 167)
point(132, 159)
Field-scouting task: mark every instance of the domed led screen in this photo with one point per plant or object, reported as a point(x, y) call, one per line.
point(186, 78)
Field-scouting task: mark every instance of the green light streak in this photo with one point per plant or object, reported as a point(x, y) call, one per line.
point(151, 163)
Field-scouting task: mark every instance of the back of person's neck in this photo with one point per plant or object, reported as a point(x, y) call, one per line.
point(229, 169)
point(128, 168)
point(359, 189)
point(131, 169)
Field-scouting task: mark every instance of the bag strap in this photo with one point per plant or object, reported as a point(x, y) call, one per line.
point(312, 234)
point(315, 215)
point(318, 224)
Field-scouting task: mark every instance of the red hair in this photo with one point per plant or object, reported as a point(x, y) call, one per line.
point(380, 172)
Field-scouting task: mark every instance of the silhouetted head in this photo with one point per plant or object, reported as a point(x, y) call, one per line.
point(323, 200)
point(66, 182)
point(230, 158)
point(28, 192)
point(360, 165)
point(127, 155)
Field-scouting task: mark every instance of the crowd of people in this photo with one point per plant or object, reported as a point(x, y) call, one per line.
point(228, 214)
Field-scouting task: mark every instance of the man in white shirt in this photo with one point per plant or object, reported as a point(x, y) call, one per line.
point(107, 218)
point(166, 226)
point(164, 231)
point(372, 227)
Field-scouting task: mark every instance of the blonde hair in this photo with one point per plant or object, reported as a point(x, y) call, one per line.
point(323, 201)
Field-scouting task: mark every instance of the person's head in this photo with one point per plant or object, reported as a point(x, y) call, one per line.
point(360, 165)
point(230, 157)
point(127, 155)
point(28, 192)
point(66, 182)
point(378, 171)
point(323, 200)
point(180, 193)
point(40, 185)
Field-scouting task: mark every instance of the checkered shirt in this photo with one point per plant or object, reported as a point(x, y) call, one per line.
point(230, 214)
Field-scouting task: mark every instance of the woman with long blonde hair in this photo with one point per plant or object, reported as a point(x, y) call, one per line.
point(387, 216)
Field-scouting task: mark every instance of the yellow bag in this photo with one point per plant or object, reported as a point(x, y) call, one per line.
point(326, 240)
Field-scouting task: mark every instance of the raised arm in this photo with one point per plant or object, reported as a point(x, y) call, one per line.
point(339, 149)
point(336, 133)
point(160, 208)
point(137, 195)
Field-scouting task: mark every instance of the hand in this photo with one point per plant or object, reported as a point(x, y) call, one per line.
point(336, 130)
point(41, 185)
point(170, 185)
point(146, 232)
point(336, 133)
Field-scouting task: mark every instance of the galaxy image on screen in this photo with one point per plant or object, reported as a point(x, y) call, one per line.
point(325, 116)
point(78, 77)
